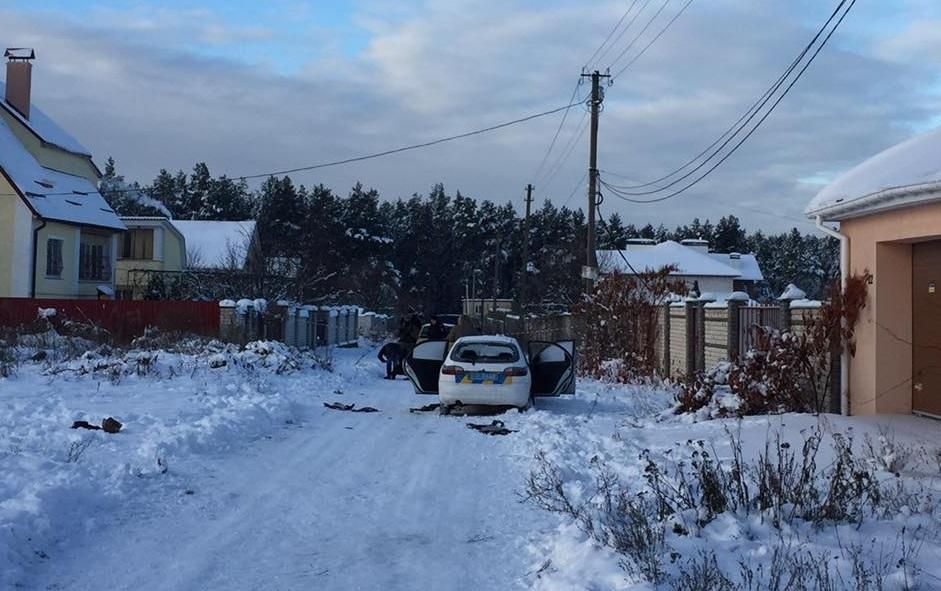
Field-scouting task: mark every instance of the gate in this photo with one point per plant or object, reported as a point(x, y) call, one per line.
point(751, 318)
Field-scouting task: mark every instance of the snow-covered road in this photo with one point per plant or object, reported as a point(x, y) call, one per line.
point(338, 500)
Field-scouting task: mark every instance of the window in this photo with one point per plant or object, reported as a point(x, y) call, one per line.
point(476, 352)
point(94, 264)
point(138, 244)
point(54, 257)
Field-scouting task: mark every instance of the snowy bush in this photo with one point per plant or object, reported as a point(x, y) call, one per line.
point(621, 324)
point(789, 488)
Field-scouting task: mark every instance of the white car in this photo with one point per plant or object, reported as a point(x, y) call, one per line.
point(491, 370)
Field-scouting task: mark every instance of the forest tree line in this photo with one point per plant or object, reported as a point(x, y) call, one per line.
point(426, 251)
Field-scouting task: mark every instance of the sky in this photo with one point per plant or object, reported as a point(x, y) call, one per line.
point(255, 87)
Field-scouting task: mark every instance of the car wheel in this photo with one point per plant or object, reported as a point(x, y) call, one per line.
point(444, 409)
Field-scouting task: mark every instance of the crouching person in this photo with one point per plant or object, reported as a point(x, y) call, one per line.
point(392, 355)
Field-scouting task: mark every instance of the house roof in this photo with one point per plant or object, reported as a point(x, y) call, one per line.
point(210, 243)
point(689, 261)
point(746, 264)
point(905, 174)
point(51, 194)
point(44, 127)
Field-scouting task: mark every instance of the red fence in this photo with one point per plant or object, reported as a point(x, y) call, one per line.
point(125, 319)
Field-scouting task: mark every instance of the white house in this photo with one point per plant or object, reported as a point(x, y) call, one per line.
point(58, 236)
point(713, 272)
point(219, 244)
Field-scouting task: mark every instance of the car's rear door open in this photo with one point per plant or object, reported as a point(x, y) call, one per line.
point(553, 367)
point(423, 365)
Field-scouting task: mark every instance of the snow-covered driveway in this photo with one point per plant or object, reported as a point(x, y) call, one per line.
point(336, 500)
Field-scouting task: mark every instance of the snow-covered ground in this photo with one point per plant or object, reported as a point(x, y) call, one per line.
point(236, 476)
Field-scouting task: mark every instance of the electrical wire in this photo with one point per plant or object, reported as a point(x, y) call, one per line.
point(565, 114)
point(639, 35)
point(349, 160)
point(410, 147)
point(740, 123)
point(578, 186)
point(606, 39)
point(625, 195)
point(568, 150)
point(624, 30)
point(654, 40)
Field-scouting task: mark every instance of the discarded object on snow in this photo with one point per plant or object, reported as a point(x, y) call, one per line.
point(426, 408)
point(349, 407)
point(494, 428)
point(339, 405)
point(85, 425)
point(111, 425)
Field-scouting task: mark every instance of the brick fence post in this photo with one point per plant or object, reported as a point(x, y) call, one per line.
point(785, 315)
point(701, 334)
point(228, 320)
point(692, 325)
point(665, 339)
point(735, 324)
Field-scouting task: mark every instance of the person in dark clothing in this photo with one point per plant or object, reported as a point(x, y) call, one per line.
point(436, 330)
point(409, 328)
point(392, 354)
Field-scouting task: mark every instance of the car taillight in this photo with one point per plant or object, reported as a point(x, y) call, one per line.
point(515, 371)
point(452, 370)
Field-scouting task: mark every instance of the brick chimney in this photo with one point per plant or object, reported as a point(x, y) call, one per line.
point(19, 78)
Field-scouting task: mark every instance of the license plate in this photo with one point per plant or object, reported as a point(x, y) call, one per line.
point(484, 377)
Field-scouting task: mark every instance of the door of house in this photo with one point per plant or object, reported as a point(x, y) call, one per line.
point(926, 327)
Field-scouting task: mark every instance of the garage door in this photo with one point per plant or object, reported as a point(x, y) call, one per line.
point(926, 327)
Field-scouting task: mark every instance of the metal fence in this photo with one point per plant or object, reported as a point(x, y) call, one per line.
point(124, 319)
point(754, 317)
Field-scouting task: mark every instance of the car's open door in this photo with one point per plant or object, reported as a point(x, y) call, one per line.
point(553, 368)
point(423, 365)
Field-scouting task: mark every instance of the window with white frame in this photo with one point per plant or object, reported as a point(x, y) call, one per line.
point(54, 257)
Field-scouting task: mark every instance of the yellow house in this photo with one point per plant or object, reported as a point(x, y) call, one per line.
point(58, 236)
point(889, 210)
point(151, 244)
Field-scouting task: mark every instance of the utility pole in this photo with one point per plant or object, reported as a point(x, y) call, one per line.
point(496, 275)
point(525, 276)
point(590, 270)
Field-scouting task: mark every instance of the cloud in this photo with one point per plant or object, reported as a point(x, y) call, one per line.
point(156, 91)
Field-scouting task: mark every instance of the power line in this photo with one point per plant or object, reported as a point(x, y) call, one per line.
point(578, 186)
point(624, 30)
point(572, 100)
point(606, 39)
point(749, 114)
point(655, 39)
point(641, 34)
point(408, 148)
point(567, 151)
point(350, 160)
point(624, 195)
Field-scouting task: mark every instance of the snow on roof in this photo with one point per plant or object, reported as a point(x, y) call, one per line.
point(53, 195)
point(210, 243)
point(910, 167)
point(746, 264)
point(43, 126)
point(689, 261)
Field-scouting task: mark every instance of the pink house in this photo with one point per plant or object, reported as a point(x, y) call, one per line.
point(889, 214)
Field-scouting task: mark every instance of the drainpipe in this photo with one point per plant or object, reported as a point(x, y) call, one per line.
point(32, 289)
point(844, 273)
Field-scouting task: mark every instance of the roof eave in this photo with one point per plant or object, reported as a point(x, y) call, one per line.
point(880, 202)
